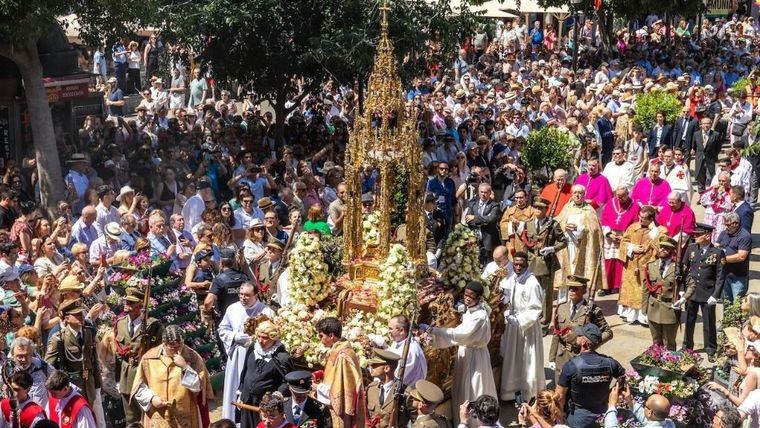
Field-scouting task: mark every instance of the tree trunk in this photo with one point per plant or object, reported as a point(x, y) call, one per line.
point(46, 152)
point(279, 119)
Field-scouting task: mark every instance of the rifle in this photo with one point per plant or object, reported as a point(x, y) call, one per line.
point(145, 337)
point(592, 290)
point(679, 266)
point(399, 396)
point(243, 406)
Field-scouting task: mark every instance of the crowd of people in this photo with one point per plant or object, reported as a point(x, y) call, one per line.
point(205, 183)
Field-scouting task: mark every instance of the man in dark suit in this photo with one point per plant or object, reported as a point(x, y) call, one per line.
point(704, 263)
point(435, 220)
point(742, 208)
point(659, 135)
point(482, 216)
point(706, 149)
point(299, 407)
point(607, 131)
point(683, 133)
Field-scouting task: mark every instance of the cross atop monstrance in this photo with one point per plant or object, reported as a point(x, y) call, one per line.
point(383, 137)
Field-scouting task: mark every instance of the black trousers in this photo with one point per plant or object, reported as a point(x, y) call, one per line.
point(708, 326)
point(705, 170)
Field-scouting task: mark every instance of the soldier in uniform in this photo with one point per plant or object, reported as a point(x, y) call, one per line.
point(575, 312)
point(72, 350)
point(703, 263)
point(381, 392)
point(299, 407)
point(128, 335)
point(425, 397)
point(661, 291)
point(270, 269)
point(543, 238)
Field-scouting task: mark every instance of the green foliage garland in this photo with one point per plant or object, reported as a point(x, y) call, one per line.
point(649, 104)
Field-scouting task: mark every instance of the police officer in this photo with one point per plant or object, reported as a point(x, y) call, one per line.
point(543, 238)
point(587, 377)
point(425, 397)
point(129, 334)
point(704, 263)
point(575, 312)
point(299, 407)
point(661, 291)
point(381, 392)
point(226, 285)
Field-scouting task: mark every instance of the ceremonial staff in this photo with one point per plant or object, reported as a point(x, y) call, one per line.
point(679, 273)
point(399, 396)
point(592, 290)
point(145, 337)
point(9, 369)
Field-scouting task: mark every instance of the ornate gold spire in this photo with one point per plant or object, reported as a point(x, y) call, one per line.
point(384, 136)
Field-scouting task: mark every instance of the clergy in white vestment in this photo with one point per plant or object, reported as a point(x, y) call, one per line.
point(236, 341)
point(620, 172)
point(473, 375)
point(500, 267)
point(521, 344)
point(677, 173)
point(416, 363)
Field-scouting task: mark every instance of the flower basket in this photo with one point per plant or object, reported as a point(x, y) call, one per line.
point(158, 270)
point(658, 372)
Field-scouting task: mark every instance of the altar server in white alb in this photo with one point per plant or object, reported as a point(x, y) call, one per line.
point(473, 375)
point(522, 371)
point(236, 341)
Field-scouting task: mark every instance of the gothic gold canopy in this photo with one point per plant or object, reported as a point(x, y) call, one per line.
point(384, 136)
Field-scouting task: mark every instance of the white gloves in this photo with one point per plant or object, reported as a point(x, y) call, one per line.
point(377, 340)
point(242, 338)
point(460, 308)
point(711, 301)
point(678, 303)
point(511, 319)
point(546, 250)
point(552, 365)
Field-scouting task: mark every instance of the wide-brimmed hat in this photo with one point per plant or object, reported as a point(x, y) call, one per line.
point(113, 230)
point(124, 191)
point(77, 157)
point(265, 203)
point(71, 283)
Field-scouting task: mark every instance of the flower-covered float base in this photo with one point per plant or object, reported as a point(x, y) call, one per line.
point(676, 375)
point(171, 303)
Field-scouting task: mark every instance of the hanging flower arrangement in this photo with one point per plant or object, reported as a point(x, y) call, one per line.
point(298, 327)
point(309, 274)
point(371, 229)
point(460, 259)
point(397, 290)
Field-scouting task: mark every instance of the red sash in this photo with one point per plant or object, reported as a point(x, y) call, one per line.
point(27, 415)
point(70, 411)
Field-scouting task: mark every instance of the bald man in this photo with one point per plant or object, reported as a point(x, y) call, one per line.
point(557, 192)
point(653, 413)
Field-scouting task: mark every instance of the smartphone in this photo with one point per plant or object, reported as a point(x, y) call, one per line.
point(46, 302)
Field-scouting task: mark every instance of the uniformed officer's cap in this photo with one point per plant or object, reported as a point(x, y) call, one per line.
point(540, 202)
point(276, 245)
point(591, 332)
point(577, 281)
point(426, 392)
point(227, 253)
point(299, 381)
point(70, 307)
point(383, 356)
point(701, 228)
point(134, 294)
point(667, 242)
point(202, 254)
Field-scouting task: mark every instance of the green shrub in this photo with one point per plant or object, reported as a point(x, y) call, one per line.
point(739, 86)
point(548, 149)
point(647, 106)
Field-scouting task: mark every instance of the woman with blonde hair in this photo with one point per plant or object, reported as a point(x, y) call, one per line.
point(545, 412)
point(49, 260)
point(751, 304)
point(255, 246)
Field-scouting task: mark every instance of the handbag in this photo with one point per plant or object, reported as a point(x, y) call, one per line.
point(738, 129)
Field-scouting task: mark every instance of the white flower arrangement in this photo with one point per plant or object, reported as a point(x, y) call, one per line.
point(309, 276)
point(298, 327)
point(359, 330)
point(371, 229)
point(397, 289)
point(460, 260)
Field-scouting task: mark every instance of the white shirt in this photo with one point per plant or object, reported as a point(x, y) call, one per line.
point(243, 219)
point(750, 407)
point(105, 216)
point(192, 211)
point(416, 363)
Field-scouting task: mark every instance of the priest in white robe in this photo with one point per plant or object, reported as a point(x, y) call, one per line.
point(236, 341)
point(522, 347)
point(473, 375)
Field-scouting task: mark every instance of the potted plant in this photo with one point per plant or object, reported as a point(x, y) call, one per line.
point(649, 104)
point(546, 150)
